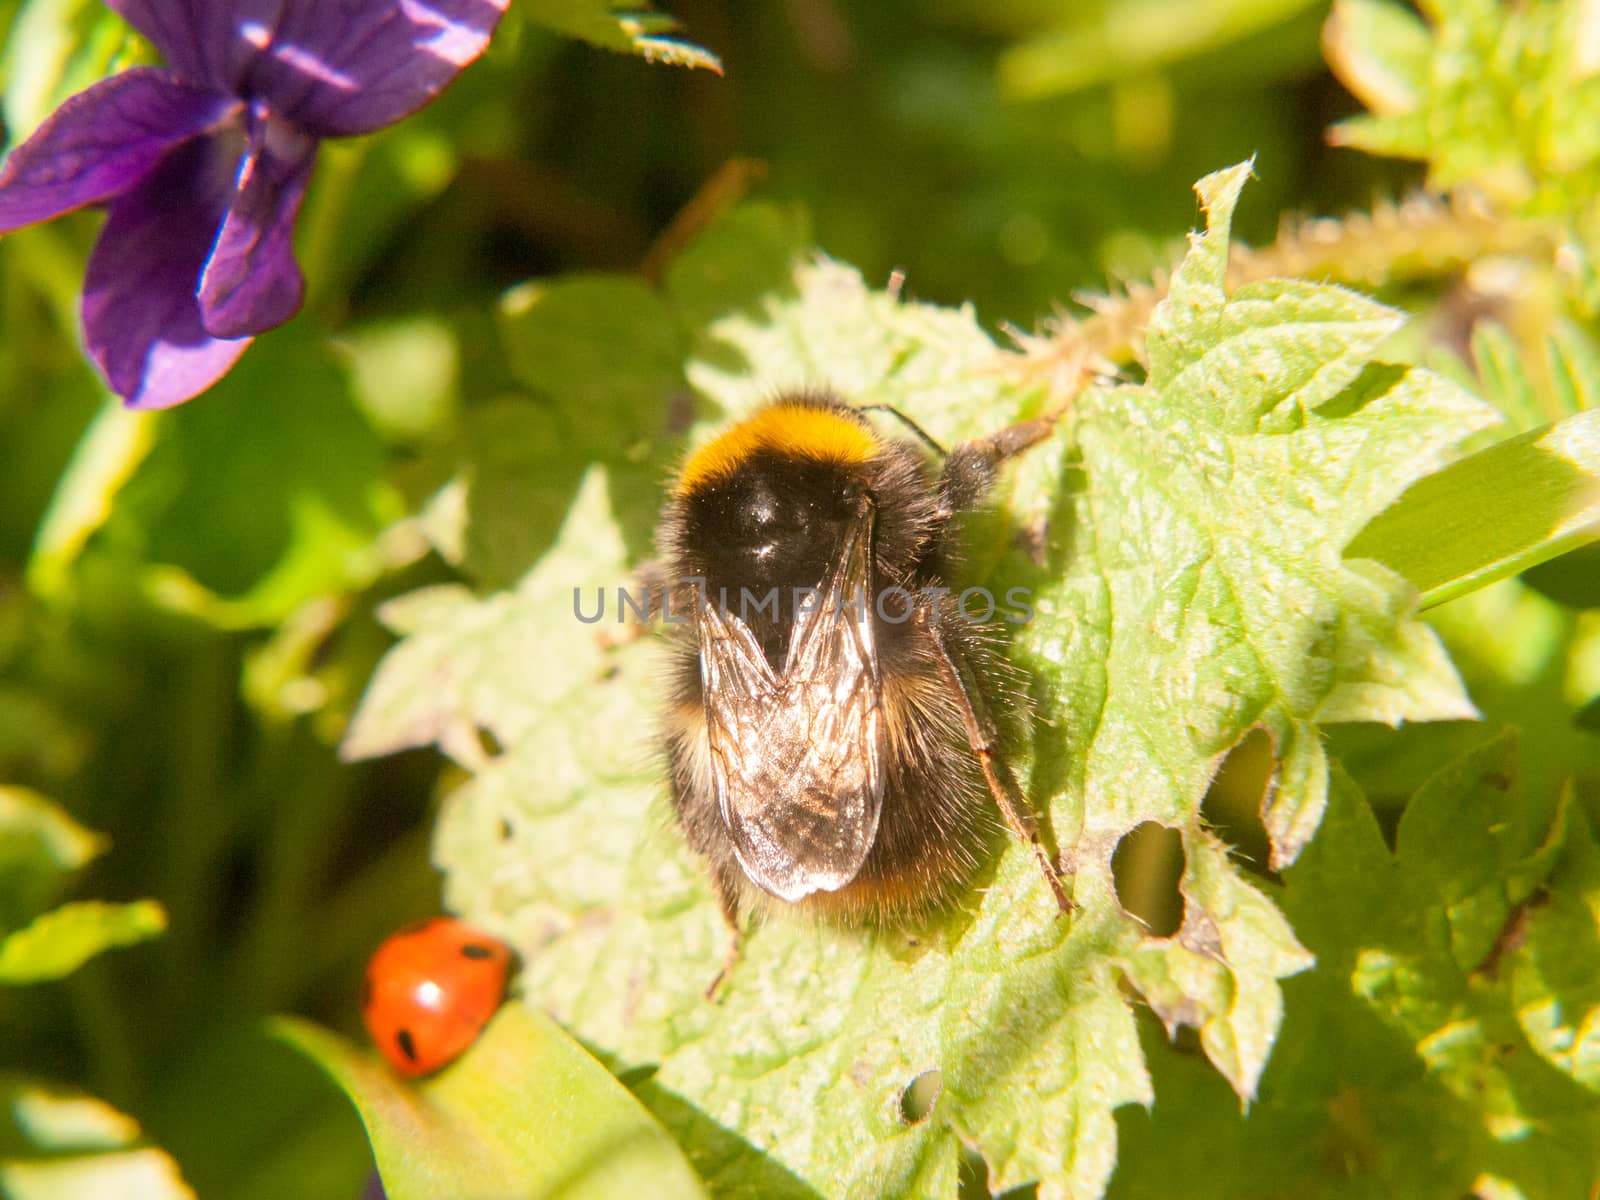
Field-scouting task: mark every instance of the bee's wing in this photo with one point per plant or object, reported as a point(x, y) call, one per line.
point(794, 757)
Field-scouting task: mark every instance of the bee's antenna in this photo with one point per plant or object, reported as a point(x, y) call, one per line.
point(921, 433)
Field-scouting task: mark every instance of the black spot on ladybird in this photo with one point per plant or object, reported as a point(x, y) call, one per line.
point(474, 950)
point(407, 1046)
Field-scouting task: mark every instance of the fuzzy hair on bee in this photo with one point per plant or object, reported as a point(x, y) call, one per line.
point(831, 720)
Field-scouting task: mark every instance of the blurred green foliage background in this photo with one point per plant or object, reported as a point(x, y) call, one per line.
point(186, 600)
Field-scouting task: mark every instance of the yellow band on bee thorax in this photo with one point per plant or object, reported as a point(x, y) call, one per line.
point(797, 430)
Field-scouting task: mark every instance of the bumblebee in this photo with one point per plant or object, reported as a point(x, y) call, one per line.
point(829, 728)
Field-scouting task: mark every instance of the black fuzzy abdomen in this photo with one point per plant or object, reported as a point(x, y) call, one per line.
point(938, 820)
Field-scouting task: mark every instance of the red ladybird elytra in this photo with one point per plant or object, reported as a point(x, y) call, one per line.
point(430, 989)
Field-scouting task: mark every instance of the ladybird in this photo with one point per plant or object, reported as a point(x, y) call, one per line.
point(430, 989)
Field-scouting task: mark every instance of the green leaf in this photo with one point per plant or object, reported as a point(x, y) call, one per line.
point(270, 493)
point(1486, 537)
point(1471, 876)
point(1502, 98)
point(55, 49)
point(252, 1118)
point(1527, 661)
point(1573, 360)
point(58, 1145)
point(106, 457)
point(574, 716)
point(1221, 494)
point(144, 1174)
point(1533, 385)
point(1506, 381)
point(1203, 595)
point(62, 940)
point(39, 846)
point(1106, 43)
point(1410, 1062)
point(1216, 502)
point(525, 1113)
point(1555, 975)
point(404, 375)
point(1470, 872)
point(53, 1121)
point(1494, 514)
point(602, 356)
point(627, 29)
point(1382, 52)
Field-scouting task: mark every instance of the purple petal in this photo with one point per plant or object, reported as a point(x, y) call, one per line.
point(140, 315)
point(204, 40)
point(102, 142)
point(353, 66)
point(252, 281)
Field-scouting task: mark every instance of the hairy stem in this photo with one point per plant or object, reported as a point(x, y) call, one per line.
point(1420, 237)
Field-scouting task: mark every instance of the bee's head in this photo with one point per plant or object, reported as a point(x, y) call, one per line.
point(766, 502)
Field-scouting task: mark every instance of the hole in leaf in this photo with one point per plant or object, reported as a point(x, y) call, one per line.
point(972, 1176)
point(1147, 868)
point(972, 1180)
point(917, 1101)
point(1187, 1041)
point(492, 746)
point(1232, 806)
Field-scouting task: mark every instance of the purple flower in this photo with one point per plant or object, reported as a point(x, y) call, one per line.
point(204, 163)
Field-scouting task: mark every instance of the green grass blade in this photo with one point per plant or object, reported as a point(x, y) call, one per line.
point(1493, 514)
point(525, 1114)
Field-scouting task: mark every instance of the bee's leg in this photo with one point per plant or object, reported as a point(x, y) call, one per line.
point(982, 737)
point(971, 469)
point(728, 902)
